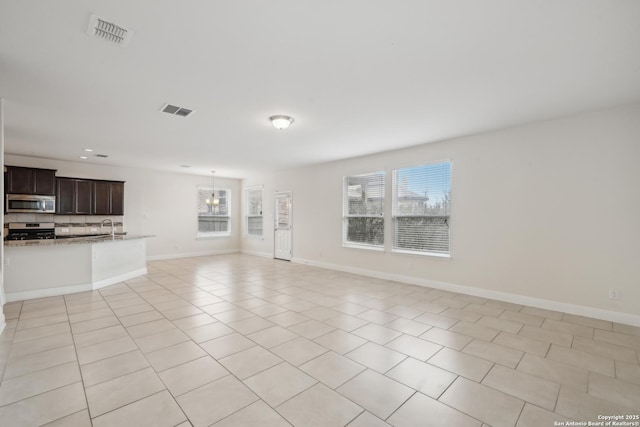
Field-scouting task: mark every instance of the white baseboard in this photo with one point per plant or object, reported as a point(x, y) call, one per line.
point(64, 290)
point(49, 292)
point(192, 254)
point(580, 310)
point(3, 322)
point(257, 253)
point(117, 279)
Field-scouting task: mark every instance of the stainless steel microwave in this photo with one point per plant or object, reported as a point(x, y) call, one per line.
point(27, 203)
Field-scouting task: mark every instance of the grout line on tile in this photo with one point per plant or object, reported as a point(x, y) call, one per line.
point(403, 403)
point(84, 388)
point(40, 394)
point(132, 402)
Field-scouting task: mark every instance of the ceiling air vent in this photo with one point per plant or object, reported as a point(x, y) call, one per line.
point(104, 156)
point(176, 111)
point(109, 31)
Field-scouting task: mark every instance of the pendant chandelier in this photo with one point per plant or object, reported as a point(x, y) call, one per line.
point(213, 202)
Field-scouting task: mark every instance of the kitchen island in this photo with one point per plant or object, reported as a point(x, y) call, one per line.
point(42, 268)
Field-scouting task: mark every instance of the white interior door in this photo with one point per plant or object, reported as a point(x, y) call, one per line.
point(282, 227)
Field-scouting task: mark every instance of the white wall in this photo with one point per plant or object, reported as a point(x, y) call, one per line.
point(156, 203)
point(549, 211)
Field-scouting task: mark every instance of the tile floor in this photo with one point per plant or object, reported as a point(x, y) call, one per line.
point(245, 341)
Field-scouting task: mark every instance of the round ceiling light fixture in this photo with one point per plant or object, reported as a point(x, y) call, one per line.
point(281, 122)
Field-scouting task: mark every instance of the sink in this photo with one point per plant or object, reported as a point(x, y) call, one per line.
point(88, 237)
point(92, 237)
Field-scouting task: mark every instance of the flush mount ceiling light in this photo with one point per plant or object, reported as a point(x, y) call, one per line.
point(281, 122)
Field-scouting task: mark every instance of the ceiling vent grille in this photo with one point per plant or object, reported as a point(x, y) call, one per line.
point(176, 111)
point(109, 31)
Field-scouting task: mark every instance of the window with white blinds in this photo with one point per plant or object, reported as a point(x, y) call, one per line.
point(214, 213)
point(363, 210)
point(253, 219)
point(420, 209)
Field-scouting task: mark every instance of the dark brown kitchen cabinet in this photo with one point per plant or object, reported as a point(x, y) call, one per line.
point(30, 181)
point(74, 196)
point(65, 196)
point(84, 194)
point(117, 198)
point(101, 198)
point(77, 196)
point(108, 198)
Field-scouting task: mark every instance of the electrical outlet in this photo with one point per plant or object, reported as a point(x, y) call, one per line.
point(614, 294)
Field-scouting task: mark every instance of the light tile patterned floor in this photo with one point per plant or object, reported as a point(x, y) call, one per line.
point(238, 340)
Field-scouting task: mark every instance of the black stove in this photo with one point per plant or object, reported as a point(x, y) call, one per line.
point(31, 231)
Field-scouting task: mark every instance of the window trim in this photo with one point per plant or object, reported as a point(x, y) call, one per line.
point(420, 253)
point(248, 215)
point(366, 247)
point(215, 234)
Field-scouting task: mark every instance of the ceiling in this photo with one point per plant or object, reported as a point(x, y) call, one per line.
point(358, 76)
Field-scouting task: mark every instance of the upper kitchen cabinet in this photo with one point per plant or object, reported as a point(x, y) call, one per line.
point(30, 181)
point(84, 195)
point(65, 195)
point(77, 196)
point(108, 198)
point(101, 198)
point(117, 198)
point(74, 196)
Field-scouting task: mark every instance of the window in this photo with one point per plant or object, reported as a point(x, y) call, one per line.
point(214, 212)
point(421, 204)
point(253, 196)
point(363, 210)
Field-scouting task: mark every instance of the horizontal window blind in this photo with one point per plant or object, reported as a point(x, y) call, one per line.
point(213, 212)
point(363, 209)
point(254, 226)
point(254, 211)
point(421, 207)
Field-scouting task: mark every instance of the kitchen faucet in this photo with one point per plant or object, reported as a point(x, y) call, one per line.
point(113, 229)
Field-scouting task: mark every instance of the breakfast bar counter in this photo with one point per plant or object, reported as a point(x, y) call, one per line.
point(102, 238)
point(42, 268)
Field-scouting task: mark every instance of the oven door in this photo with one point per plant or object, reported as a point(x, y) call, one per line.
point(18, 203)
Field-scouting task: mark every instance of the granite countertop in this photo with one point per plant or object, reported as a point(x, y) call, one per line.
point(75, 240)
